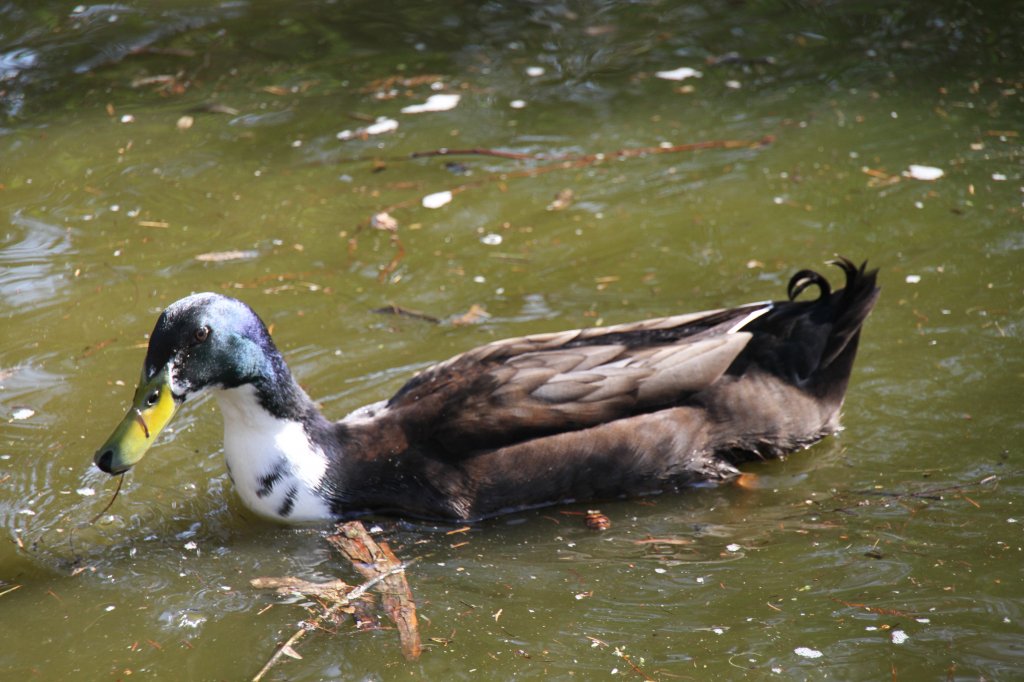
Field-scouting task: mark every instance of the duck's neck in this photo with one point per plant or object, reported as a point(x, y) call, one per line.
point(275, 463)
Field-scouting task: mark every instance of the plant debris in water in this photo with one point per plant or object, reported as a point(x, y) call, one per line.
point(383, 572)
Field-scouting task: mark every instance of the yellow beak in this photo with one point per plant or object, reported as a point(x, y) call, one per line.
point(151, 410)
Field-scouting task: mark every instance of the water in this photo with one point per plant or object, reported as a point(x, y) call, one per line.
point(893, 550)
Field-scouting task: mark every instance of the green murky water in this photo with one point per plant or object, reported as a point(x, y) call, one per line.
point(892, 551)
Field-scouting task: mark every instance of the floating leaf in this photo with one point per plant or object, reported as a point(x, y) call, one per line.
point(474, 315)
point(563, 200)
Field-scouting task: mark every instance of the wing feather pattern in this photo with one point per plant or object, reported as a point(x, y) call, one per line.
point(513, 390)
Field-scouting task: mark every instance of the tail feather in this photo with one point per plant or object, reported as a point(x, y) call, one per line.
point(854, 303)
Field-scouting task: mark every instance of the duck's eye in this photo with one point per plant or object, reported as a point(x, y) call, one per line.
point(152, 398)
point(202, 334)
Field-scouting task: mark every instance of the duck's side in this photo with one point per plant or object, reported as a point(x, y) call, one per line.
point(576, 415)
point(608, 412)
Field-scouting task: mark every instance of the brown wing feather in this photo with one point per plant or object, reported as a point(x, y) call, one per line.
point(509, 391)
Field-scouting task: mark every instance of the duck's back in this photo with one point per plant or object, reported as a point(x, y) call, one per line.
point(611, 411)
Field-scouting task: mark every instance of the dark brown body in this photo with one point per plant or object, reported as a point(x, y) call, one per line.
point(604, 413)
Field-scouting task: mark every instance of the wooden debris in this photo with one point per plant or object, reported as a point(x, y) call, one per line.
point(377, 562)
point(332, 590)
point(595, 520)
point(384, 573)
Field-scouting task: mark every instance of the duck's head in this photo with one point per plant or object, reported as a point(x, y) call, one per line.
point(200, 342)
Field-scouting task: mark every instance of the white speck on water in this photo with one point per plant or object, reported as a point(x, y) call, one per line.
point(700, 580)
point(733, 547)
point(899, 637)
point(871, 628)
point(918, 204)
point(26, 512)
point(918, 172)
point(434, 103)
point(733, 85)
point(22, 413)
point(923, 620)
point(381, 126)
point(534, 71)
point(86, 492)
point(1011, 520)
point(807, 652)
point(999, 177)
point(778, 201)
point(913, 279)
point(718, 631)
point(680, 74)
point(479, 279)
point(437, 199)
point(296, 143)
point(190, 545)
point(660, 570)
point(127, 118)
point(109, 608)
point(517, 104)
point(491, 239)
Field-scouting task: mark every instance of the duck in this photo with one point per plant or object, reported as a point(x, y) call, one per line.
point(583, 415)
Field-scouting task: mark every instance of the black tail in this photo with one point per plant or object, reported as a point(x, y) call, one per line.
point(838, 317)
point(851, 306)
point(812, 344)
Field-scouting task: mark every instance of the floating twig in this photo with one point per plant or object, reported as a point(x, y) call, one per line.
point(287, 649)
point(120, 480)
point(392, 309)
